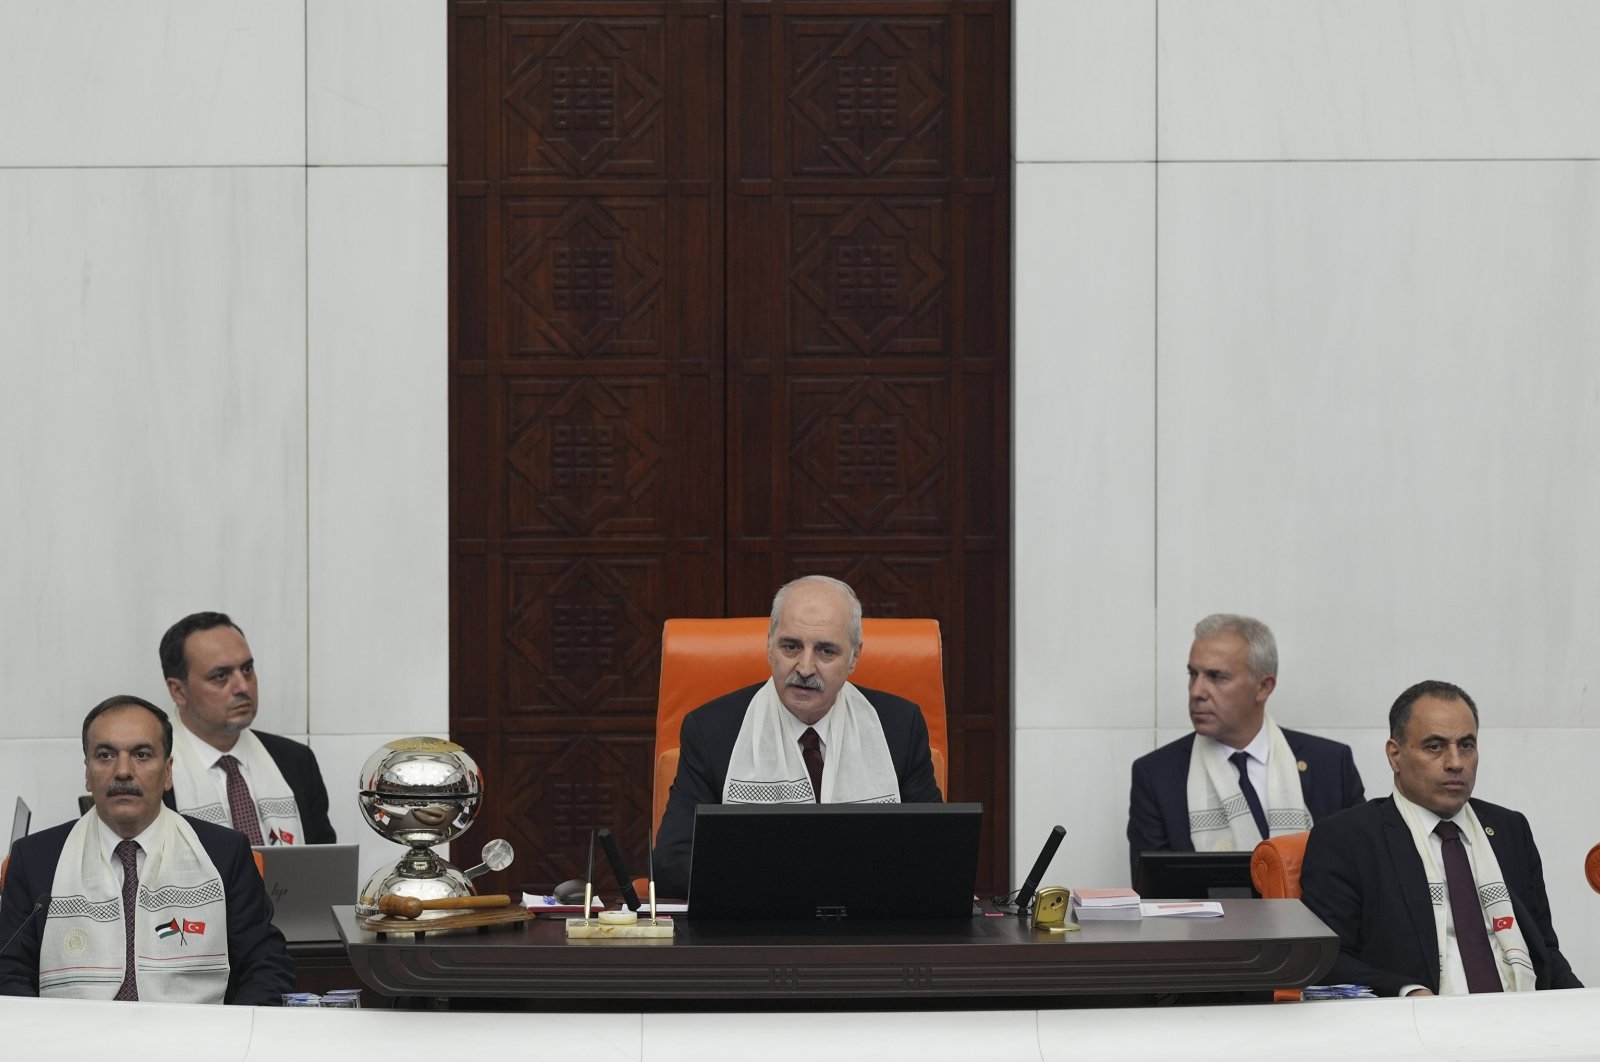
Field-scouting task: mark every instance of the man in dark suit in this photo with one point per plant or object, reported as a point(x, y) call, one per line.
point(163, 952)
point(1233, 669)
point(267, 787)
point(807, 735)
point(1429, 890)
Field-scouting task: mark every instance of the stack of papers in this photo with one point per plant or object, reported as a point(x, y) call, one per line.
point(1090, 905)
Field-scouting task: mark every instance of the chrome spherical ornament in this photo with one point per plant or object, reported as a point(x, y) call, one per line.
point(420, 791)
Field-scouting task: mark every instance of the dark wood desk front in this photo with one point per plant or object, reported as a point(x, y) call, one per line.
point(1258, 945)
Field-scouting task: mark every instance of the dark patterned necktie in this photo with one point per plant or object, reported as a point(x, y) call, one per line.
point(1239, 759)
point(128, 852)
point(811, 752)
point(1472, 939)
point(240, 806)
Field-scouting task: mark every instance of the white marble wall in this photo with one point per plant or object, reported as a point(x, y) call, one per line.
point(223, 318)
point(1306, 328)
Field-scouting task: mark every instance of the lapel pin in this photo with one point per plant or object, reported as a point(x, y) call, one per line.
point(1301, 764)
point(1488, 831)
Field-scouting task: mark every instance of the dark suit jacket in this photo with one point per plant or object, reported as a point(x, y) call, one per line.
point(1158, 809)
point(1362, 875)
point(298, 765)
point(706, 745)
point(260, 970)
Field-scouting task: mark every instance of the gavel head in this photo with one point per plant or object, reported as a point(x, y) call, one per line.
point(400, 906)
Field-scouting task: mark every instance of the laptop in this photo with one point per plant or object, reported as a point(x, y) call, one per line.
point(832, 862)
point(304, 881)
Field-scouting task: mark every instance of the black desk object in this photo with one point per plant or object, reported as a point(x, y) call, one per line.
point(1259, 945)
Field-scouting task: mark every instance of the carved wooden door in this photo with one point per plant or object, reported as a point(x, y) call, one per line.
point(730, 296)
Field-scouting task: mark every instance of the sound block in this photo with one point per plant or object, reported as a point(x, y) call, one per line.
point(642, 932)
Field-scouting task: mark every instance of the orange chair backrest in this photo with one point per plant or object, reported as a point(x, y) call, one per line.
point(1591, 867)
point(261, 865)
point(702, 659)
point(1275, 866)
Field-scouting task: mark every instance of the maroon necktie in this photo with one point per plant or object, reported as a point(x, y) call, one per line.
point(1472, 939)
point(240, 805)
point(128, 852)
point(1239, 759)
point(811, 752)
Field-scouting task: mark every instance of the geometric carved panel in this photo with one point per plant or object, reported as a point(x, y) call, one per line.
point(869, 97)
point(587, 275)
point(587, 456)
point(584, 97)
point(565, 788)
point(868, 276)
point(867, 455)
point(583, 633)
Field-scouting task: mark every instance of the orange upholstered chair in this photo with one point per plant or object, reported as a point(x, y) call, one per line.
point(702, 659)
point(1591, 867)
point(1275, 872)
point(1275, 866)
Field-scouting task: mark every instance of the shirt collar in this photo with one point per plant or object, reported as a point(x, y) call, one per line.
point(109, 838)
point(207, 753)
point(822, 726)
point(1428, 820)
point(1256, 750)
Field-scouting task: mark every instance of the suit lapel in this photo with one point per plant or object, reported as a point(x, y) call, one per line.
point(1413, 888)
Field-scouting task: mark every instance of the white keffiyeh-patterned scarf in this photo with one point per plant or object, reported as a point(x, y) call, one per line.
point(767, 766)
point(1219, 816)
point(180, 929)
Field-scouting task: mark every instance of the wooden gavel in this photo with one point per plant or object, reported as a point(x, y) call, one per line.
point(411, 907)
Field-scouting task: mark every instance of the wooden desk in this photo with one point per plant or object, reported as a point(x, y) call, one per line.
point(1259, 945)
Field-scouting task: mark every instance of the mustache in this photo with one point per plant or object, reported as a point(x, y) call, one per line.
point(809, 682)
point(125, 789)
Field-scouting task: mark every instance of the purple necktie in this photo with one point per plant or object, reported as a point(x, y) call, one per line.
point(1472, 938)
point(128, 852)
point(1239, 759)
point(240, 806)
point(811, 752)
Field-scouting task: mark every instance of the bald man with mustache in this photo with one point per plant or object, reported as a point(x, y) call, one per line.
point(805, 735)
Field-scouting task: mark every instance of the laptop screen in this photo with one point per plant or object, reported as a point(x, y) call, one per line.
point(765, 862)
point(1193, 875)
point(19, 823)
point(305, 882)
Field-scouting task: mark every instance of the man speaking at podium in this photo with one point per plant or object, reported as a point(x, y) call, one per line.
point(805, 735)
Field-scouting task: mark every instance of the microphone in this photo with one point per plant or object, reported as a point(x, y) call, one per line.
point(41, 904)
point(624, 882)
point(1040, 865)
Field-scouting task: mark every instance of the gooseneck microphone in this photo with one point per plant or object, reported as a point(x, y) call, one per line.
point(41, 904)
point(614, 857)
point(1040, 865)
